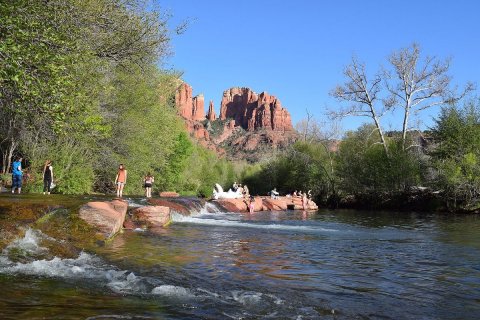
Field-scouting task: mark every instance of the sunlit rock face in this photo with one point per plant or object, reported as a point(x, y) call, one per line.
point(252, 111)
point(248, 122)
point(152, 216)
point(107, 217)
point(211, 115)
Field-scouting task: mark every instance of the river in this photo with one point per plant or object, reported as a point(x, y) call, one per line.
point(270, 265)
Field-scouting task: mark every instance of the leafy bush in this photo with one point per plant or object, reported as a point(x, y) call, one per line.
point(456, 155)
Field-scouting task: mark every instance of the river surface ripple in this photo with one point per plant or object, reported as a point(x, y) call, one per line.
point(269, 265)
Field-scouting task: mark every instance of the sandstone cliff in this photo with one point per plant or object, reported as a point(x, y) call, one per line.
point(252, 111)
point(250, 125)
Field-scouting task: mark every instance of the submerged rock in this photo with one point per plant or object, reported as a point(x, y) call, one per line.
point(107, 217)
point(152, 216)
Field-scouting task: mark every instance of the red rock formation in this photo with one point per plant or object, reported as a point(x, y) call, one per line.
point(190, 108)
point(169, 194)
point(107, 217)
point(233, 205)
point(275, 204)
point(211, 116)
point(296, 203)
point(228, 130)
point(200, 132)
point(238, 104)
point(268, 124)
point(198, 109)
point(152, 216)
point(266, 204)
point(184, 101)
point(170, 203)
point(252, 111)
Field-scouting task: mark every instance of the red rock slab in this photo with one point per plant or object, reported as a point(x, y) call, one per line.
point(108, 217)
point(170, 204)
point(298, 205)
point(311, 205)
point(275, 204)
point(130, 224)
point(152, 216)
point(234, 205)
point(258, 204)
point(169, 194)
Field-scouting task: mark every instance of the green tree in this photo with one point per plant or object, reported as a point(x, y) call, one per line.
point(304, 166)
point(363, 166)
point(456, 155)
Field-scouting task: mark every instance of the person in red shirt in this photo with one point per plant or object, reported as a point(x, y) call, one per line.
point(121, 180)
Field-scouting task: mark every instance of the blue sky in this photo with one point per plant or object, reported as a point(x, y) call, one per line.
point(296, 50)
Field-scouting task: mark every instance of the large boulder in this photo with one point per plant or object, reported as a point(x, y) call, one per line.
point(170, 203)
point(311, 205)
point(152, 216)
point(258, 204)
point(234, 205)
point(275, 204)
point(295, 203)
point(266, 204)
point(107, 217)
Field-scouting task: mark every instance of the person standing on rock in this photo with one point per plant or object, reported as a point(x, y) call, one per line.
point(274, 194)
point(251, 205)
point(304, 201)
point(246, 192)
point(121, 180)
point(47, 176)
point(147, 183)
point(17, 175)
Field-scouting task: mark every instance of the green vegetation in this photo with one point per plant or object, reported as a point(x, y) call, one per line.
point(80, 85)
point(374, 168)
point(304, 166)
point(456, 158)
point(363, 166)
point(441, 169)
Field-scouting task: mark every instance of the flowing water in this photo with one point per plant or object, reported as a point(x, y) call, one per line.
point(269, 265)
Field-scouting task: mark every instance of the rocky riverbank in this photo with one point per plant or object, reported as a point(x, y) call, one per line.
point(85, 220)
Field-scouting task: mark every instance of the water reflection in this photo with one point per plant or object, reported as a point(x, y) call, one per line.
point(286, 265)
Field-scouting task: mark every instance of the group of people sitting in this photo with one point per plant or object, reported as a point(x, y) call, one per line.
point(295, 194)
point(305, 196)
point(243, 190)
point(300, 194)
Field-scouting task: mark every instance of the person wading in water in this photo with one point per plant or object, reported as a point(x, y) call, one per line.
point(121, 180)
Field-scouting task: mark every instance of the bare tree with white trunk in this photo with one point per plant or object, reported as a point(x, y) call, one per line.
point(416, 84)
point(363, 95)
point(411, 83)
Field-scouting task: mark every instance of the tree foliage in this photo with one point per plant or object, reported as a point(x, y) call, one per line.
point(80, 85)
point(456, 155)
point(363, 167)
point(304, 166)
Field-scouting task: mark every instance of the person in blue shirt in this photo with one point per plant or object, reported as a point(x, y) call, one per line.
point(17, 175)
